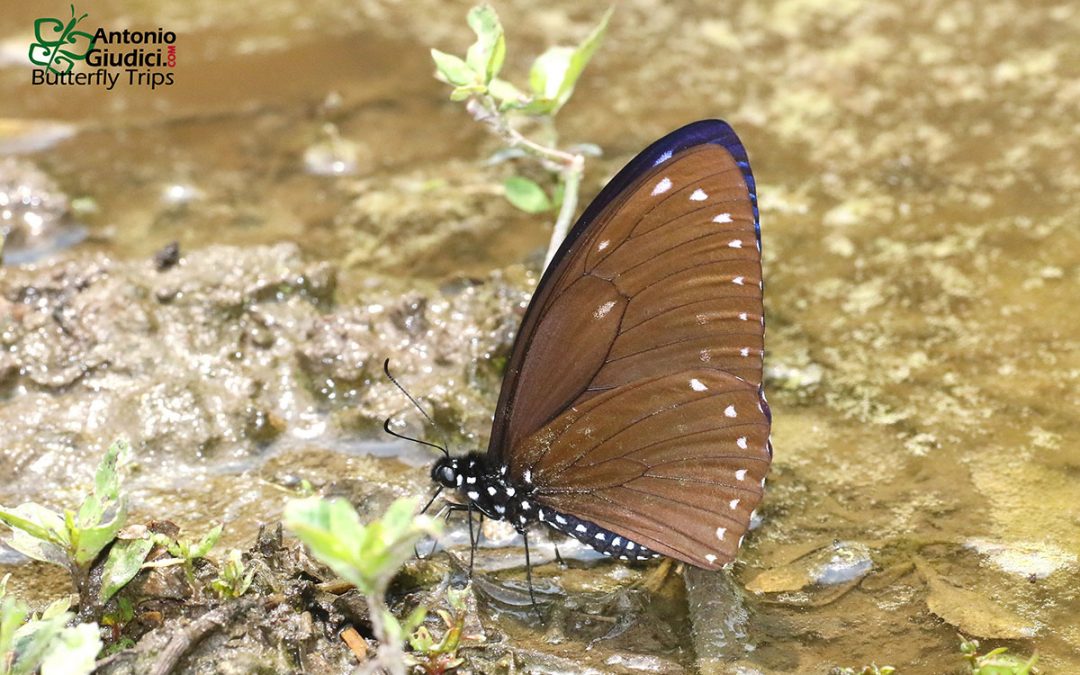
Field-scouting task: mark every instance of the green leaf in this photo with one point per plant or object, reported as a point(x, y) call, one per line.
point(462, 93)
point(123, 563)
point(366, 556)
point(37, 532)
point(208, 542)
point(526, 195)
point(505, 92)
point(453, 70)
point(12, 615)
point(73, 652)
point(487, 54)
point(57, 607)
point(88, 542)
point(35, 520)
point(555, 72)
point(332, 530)
point(32, 641)
point(106, 486)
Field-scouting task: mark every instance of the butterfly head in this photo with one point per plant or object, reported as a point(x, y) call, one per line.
point(445, 472)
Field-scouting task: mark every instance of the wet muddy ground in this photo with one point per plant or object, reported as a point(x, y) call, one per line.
point(917, 165)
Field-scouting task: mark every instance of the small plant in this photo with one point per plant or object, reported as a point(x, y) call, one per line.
point(45, 643)
point(996, 661)
point(502, 106)
point(435, 657)
point(184, 551)
point(74, 539)
point(234, 579)
point(367, 556)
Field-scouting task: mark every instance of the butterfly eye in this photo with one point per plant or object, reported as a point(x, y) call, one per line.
point(446, 476)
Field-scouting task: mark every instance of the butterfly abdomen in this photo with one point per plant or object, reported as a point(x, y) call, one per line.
point(489, 490)
point(596, 537)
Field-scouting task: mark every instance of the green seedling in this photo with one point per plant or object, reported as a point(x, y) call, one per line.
point(74, 539)
point(996, 661)
point(435, 657)
point(367, 556)
point(185, 551)
point(502, 106)
point(234, 579)
point(45, 643)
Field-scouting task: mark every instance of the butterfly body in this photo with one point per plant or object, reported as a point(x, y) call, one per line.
point(632, 414)
point(487, 490)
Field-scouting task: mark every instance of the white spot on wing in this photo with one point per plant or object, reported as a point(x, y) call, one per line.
point(705, 355)
point(735, 243)
point(734, 504)
point(710, 558)
point(745, 351)
point(730, 411)
point(580, 528)
point(604, 244)
point(720, 532)
point(697, 385)
point(492, 491)
point(603, 309)
point(663, 158)
point(663, 186)
point(698, 196)
point(738, 281)
point(740, 474)
point(722, 218)
point(473, 494)
point(742, 316)
point(741, 443)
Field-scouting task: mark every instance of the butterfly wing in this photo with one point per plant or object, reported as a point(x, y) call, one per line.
point(659, 279)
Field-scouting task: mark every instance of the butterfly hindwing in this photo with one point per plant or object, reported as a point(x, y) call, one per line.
point(675, 463)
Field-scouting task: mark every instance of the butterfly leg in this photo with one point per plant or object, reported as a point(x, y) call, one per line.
point(558, 558)
point(528, 573)
point(472, 543)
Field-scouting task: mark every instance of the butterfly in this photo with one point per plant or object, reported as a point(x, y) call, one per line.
point(632, 415)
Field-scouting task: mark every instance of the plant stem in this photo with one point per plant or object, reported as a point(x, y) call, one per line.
point(571, 177)
point(569, 165)
point(389, 655)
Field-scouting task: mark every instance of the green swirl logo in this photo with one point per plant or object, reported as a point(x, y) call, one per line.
point(58, 45)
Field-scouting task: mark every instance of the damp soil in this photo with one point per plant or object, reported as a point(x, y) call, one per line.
point(917, 166)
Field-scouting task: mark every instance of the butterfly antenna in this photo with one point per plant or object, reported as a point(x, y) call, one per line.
point(386, 428)
point(386, 369)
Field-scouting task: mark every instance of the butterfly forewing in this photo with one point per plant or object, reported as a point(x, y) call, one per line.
point(656, 292)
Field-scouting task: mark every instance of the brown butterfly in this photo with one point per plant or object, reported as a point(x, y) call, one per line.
point(632, 415)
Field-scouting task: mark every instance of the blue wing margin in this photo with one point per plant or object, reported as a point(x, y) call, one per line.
point(717, 132)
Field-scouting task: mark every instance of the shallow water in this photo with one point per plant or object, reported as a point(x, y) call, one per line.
point(917, 165)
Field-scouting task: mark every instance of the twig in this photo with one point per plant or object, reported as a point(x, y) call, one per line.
point(192, 634)
point(355, 643)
